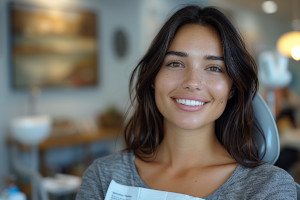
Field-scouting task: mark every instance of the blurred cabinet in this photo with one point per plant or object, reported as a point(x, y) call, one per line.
point(59, 143)
point(63, 141)
point(82, 140)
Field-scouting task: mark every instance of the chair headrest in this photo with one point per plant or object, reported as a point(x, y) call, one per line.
point(268, 140)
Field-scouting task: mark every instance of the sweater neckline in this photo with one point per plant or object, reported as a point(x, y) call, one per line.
point(137, 177)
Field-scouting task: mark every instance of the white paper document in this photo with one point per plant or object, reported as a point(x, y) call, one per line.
point(117, 191)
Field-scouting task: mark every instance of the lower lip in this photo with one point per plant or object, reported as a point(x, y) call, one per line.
point(188, 108)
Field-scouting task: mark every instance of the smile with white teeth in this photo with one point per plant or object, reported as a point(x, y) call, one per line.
point(189, 102)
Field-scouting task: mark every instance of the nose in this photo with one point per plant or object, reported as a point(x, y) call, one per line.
point(192, 80)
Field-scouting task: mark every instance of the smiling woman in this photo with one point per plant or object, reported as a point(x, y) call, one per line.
point(193, 78)
point(192, 129)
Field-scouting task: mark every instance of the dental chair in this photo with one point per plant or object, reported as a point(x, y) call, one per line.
point(267, 139)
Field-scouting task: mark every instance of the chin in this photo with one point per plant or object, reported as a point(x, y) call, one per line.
point(189, 126)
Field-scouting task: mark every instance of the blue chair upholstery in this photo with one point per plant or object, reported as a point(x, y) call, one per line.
point(267, 138)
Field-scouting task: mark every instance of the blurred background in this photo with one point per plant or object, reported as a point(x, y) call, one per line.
point(65, 67)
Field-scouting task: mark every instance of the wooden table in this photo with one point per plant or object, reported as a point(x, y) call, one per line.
point(67, 140)
point(84, 140)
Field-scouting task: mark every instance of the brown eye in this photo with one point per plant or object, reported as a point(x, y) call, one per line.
point(175, 64)
point(215, 69)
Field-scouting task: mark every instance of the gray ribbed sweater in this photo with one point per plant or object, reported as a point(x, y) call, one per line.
point(262, 182)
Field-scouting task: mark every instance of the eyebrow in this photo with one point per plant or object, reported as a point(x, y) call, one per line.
point(184, 54)
point(177, 53)
point(210, 57)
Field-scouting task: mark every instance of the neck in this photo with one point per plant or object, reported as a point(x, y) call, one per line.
point(200, 145)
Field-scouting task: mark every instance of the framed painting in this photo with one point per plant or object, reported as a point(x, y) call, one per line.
point(52, 47)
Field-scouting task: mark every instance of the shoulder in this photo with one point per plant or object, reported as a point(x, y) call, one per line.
point(273, 182)
point(115, 160)
point(269, 181)
point(266, 174)
point(264, 182)
point(99, 174)
point(114, 165)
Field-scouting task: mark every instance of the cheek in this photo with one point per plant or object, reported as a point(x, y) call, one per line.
point(166, 80)
point(221, 90)
point(162, 84)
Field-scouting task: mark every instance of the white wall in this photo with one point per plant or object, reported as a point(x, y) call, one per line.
point(79, 103)
point(155, 12)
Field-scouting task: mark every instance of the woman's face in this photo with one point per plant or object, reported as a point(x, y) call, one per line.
point(192, 86)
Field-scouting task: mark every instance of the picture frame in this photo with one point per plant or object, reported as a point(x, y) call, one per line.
point(52, 47)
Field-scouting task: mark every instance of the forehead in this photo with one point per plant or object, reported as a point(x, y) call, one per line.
point(195, 36)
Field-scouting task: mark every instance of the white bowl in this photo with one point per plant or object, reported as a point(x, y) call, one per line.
point(31, 130)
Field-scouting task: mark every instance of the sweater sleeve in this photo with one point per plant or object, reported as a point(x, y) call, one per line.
point(90, 188)
point(265, 182)
point(274, 185)
point(283, 187)
point(97, 177)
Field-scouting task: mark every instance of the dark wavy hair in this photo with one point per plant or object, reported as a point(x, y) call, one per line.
point(235, 127)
